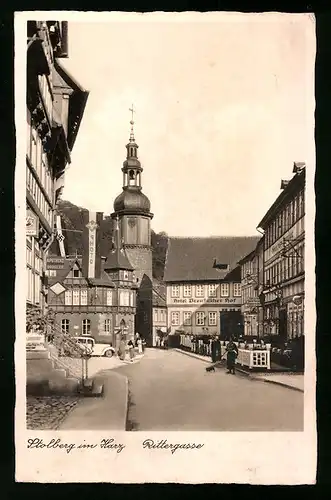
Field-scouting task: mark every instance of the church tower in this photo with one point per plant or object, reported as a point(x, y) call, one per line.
point(132, 208)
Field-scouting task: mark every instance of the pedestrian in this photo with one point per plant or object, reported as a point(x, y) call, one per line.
point(218, 348)
point(131, 350)
point(121, 350)
point(213, 351)
point(232, 353)
point(140, 346)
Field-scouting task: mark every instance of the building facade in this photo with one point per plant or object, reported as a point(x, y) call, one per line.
point(132, 208)
point(160, 317)
point(249, 290)
point(283, 257)
point(94, 296)
point(203, 283)
point(54, 112)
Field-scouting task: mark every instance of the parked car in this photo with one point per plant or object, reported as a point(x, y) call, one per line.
point(95, 349)
point(88, 345)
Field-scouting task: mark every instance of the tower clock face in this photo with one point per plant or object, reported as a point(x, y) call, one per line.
point(132, 222)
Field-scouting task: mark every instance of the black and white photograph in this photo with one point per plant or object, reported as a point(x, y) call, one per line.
point(165, 280)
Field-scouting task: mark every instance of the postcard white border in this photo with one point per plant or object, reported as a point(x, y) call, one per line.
point(228, 457)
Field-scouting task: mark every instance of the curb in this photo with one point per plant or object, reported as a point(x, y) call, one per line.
point(191, 355)
point(126, 412)
point(244, 372)
point(281, 384)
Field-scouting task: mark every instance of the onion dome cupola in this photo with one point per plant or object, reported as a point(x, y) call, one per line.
point(117, 258)
point(132, 200)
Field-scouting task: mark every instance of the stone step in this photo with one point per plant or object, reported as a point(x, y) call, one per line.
point(39, 366)
point(37, 354)
point(37, 386)
point(58, 374)
point(64, 386)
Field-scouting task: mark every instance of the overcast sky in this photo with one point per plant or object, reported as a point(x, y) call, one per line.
point(224, 105)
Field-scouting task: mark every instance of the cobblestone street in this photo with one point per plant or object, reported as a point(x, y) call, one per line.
point(48, 412)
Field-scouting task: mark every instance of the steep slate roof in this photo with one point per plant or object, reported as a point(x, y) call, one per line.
point(159, 294)
point(61, 275)
point(191, 259)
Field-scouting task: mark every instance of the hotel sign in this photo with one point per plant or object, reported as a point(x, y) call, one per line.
point(208, 301)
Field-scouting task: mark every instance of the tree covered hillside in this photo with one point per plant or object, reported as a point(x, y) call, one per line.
point(72, 219)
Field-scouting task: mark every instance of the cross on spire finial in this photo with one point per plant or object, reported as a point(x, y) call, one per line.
point(132, 111)
point(132, 123)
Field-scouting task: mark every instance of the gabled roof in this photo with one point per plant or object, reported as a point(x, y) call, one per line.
point(159, 294)
point(104, 280)
point(61, 274)
point(191, 259)
point(77, 102)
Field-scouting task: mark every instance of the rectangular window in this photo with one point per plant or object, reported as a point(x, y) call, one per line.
point(75, 297)
point(68, 298)
point(124, 298)
point(187, 318)
point(199, 290)
point(212, 318)
point(65, 325)
point(187, 291)
point(107, 327)
point(109, 297)
point(33, 150)
point(175, 318)
point(37, 288)
point(86, 327)
point(76, 273)
point(83, 297)
point(200, 318)
point(224, 289)
point(155, 315)
point(162, 315)
point(237, 289)
point(212, 290)
point(125, 275)
point(175, 291)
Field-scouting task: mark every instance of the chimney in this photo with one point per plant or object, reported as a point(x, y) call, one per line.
point(91, 243)
point(298, 166)
point(283, 184)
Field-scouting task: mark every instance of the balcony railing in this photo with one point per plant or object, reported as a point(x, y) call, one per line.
point(252, 356)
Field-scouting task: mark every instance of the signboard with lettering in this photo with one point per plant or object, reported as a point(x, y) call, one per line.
point(92, 227)
point(31, 224)
point(253, 301)
point(53, 263)
point(208, 301)
point(279, 245)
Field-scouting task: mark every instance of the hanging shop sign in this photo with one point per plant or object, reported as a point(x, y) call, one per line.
point(92, 227)
point(297, 300)
point(31, 224)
